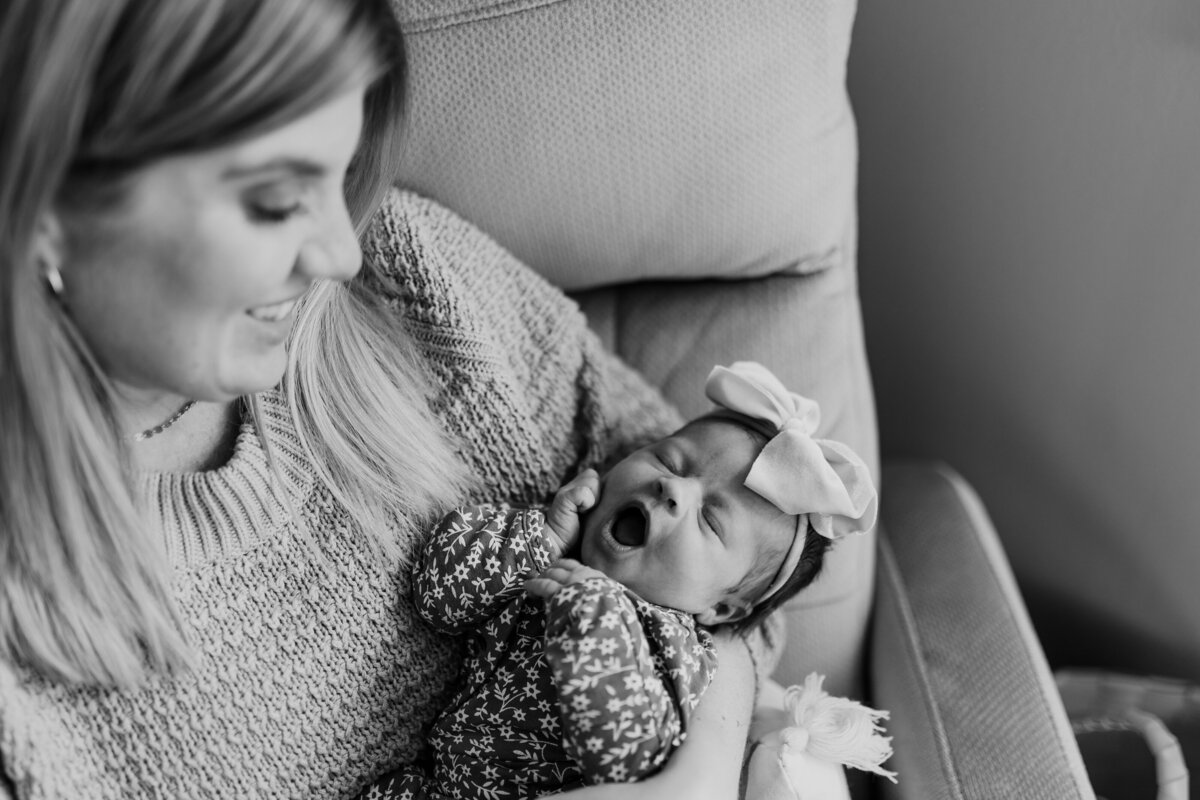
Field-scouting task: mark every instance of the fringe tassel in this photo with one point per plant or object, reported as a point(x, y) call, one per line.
point(836, 729)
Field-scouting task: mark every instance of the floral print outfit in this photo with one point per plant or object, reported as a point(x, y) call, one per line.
point(593, 685)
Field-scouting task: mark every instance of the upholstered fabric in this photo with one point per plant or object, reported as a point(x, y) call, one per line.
point(975, 713)
point(604, 142)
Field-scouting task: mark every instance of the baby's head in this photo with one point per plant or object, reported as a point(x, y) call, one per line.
point(732, 514)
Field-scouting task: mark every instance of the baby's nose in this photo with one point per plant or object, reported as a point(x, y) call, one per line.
point(675, 494)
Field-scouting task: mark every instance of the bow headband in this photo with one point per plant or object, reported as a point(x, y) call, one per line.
point(822, 482)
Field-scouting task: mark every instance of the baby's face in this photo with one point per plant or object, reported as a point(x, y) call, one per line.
point(676, 524)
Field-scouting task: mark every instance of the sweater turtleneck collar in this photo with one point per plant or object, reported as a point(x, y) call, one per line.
point(206, 516)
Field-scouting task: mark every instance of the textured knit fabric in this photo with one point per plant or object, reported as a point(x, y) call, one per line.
point(313, 674)
point(593, 685)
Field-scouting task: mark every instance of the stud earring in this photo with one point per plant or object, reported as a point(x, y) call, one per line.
point(53, 279)
point(47, 252)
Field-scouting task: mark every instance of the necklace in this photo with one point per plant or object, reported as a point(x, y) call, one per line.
point(162, 426)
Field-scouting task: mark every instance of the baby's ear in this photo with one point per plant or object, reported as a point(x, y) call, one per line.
point(729, 610)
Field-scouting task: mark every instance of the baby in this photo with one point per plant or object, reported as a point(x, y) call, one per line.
point(588, 649)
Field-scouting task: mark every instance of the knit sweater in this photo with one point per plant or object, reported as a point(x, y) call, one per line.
point(313, 674)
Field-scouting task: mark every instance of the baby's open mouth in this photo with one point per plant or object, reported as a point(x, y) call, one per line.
point(629, 527)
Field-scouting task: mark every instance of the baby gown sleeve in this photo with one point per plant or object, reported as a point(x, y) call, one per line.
point(475, 562)
point(629, 675)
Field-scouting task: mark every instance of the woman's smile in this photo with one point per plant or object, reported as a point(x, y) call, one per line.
point(275, 312)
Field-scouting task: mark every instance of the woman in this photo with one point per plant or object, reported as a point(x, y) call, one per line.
point(204, 532)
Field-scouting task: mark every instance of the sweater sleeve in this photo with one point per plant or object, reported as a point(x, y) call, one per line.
point(477, 561)
point(518, 374)
point(631, 412)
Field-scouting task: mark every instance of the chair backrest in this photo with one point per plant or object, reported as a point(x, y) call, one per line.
point(687, 169)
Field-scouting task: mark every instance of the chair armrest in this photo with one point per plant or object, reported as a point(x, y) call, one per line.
point(954, 657)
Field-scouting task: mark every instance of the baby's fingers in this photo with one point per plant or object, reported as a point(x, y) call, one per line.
point(542, 587)
point(568, 570)
point(556, 576)
point(581, 491)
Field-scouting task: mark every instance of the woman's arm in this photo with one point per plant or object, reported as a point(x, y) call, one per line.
point(708, 765)
point(631, 411)
point(523, 379)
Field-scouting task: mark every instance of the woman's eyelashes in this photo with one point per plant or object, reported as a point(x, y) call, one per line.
point(276, 203)
point(272, 213)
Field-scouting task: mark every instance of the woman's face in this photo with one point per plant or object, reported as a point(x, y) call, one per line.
point(189, 287)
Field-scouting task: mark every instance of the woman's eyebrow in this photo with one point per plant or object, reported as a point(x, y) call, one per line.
point(301, 167)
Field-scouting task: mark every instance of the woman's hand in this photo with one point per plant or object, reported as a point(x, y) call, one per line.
point(708, 765)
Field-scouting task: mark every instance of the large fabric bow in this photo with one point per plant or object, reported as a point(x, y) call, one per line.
point(800, 475)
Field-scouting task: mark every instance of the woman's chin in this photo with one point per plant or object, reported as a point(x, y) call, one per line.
point(259, 375)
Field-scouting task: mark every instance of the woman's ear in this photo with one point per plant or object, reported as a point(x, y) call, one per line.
point(722, 611)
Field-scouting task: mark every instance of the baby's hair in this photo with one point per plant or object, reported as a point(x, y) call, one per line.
point(812, 559)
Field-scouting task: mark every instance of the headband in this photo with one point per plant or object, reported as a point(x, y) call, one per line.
point(822, 482)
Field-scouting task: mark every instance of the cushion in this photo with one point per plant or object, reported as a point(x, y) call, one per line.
point(604, 142)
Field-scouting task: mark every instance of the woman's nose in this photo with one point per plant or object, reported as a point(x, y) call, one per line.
point(333, 252)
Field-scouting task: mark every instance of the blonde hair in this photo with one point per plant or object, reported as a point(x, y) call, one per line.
point(96, 89)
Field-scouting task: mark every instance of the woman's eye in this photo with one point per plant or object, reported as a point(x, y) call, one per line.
point(276, 201)
point(260, 212)
point(668, 462)
point(710, 520)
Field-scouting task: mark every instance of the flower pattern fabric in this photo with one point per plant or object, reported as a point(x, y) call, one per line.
point(593, 685)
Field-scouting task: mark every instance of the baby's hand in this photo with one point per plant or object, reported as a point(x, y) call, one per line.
point(573, 498)
point(561, 573)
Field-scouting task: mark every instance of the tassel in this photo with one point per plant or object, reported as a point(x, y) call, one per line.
point(835, 729)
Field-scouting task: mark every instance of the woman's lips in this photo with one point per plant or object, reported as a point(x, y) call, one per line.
point(274, 312)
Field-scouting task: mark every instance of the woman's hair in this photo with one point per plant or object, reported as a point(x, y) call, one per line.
point(93, 90)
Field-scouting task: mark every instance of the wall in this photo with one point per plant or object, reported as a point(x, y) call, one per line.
point(1030, 257)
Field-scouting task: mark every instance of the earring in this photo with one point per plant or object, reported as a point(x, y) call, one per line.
point(48, 250)
point(53, 279)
